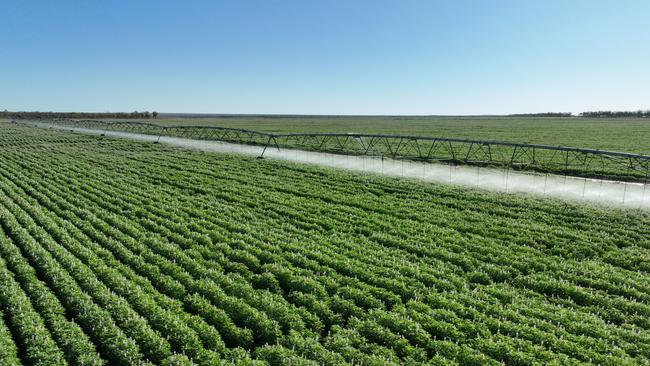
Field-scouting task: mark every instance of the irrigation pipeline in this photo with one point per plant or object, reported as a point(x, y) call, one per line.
point(616, 193)
point(568, 161)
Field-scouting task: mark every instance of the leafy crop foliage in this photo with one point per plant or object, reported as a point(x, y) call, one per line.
point(117, 252)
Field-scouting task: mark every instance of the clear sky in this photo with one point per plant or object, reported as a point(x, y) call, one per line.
point(325, 57)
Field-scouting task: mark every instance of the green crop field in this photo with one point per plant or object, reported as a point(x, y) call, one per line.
point(615, 134)
point(118, 252)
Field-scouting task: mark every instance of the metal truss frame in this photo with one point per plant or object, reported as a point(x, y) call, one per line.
point(541, 158)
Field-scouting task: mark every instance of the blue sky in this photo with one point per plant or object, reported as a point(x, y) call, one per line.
point(325, 57)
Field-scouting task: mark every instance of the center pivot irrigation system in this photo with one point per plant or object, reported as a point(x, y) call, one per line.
point(571, 161)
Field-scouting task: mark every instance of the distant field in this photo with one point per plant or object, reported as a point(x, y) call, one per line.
point(617, 134)
point(628, 135)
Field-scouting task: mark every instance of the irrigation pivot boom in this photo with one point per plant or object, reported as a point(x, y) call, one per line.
point(541, 158)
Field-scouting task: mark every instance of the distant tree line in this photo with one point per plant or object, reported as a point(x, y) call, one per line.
point(153, 115)
point(590, 114)
point(544, 114)
point(616, 114)
point(78, 115)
